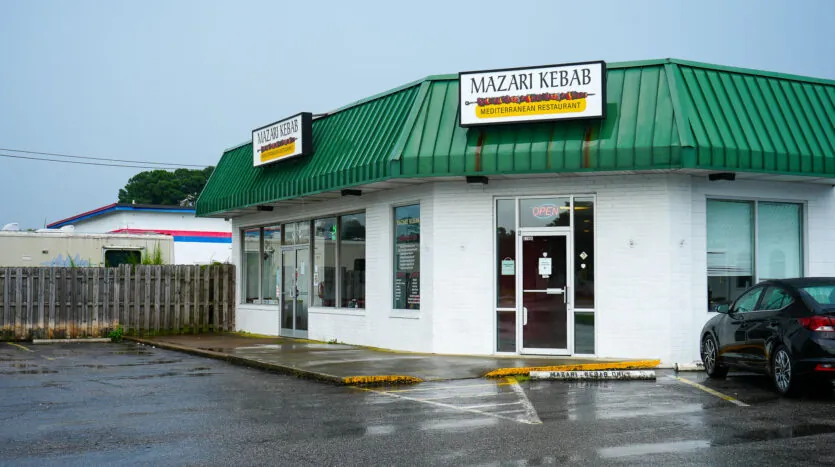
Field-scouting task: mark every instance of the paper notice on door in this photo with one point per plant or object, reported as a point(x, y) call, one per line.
point(508, 267)
point(545, 267)
point(301, 268)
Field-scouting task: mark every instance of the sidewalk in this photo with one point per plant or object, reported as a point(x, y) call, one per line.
point(347, 364)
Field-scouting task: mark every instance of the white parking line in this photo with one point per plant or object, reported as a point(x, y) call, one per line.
point(453, 407)
point(482, 406)
point(523, 398)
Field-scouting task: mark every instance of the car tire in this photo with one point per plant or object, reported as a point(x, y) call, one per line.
point(782, 372)
point(710, 359)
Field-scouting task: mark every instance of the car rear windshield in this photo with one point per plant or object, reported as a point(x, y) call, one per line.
point(823, 294)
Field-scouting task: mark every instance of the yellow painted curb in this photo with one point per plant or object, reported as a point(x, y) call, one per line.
point(524, 371)
point(381, 379)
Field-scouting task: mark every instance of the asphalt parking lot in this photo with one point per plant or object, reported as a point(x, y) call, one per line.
point(83, 404)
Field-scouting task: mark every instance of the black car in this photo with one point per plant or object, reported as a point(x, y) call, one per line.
point(782, 328)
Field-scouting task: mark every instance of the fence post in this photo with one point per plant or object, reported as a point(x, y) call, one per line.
point(41, 295)
point(196, 316)
point(207, 276)
point(52, 298)
point(94, 327)
point(115, 323)
point(216, 301)
point(157, 296)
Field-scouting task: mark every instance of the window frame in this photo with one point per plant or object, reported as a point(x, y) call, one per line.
point(393, 237)
point(311, 222)
point(591, 196)
point(755, 201)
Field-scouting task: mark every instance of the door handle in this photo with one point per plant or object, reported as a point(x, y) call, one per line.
point(524, 316)
point(565, 294)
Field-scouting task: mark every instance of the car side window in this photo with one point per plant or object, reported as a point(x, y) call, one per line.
point(747, 301)
point(775, 298)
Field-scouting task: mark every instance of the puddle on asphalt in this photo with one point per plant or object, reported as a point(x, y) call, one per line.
point(785, 432)
point(28, 372)
point(652, 448)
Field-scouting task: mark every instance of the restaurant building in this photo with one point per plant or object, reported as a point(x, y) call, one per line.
point(580, 209)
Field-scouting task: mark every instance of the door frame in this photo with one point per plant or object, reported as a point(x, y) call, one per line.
point(282, 331)
point(568, 291)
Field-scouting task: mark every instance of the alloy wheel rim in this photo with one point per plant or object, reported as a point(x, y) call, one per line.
point(782, 370)
point(710, 355)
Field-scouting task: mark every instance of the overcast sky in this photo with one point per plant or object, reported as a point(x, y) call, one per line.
point(179, 81)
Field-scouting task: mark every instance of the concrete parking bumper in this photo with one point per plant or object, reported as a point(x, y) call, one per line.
point(354, 365)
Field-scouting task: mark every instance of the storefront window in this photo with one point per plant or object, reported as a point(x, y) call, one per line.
point(779, 247)
point(272, 262)
point(407, 257)
point(324, 262)
point(506, 275)
point(352, 260)
point(545, 212)
point(584, 254)
point(303, 233)
point(730, 249)
point(584, 333)
point(251, 264)
point(289, 234)
point(732, 241)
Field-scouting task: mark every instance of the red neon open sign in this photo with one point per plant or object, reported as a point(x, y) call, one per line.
point(545, 211)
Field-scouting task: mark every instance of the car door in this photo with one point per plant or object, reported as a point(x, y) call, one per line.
point(733, 334)
point(764, 325)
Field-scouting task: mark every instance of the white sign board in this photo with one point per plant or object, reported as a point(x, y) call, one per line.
point(514, 95)
point(283, 139)
point(508, 267)
point(545, 267)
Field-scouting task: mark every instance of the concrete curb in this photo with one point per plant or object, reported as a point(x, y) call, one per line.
point(606, 366)
point(597, 375)
point(72, 341)
point(283, 369)
point(697, 366)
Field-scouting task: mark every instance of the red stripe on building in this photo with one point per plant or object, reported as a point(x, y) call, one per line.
point(176, 233)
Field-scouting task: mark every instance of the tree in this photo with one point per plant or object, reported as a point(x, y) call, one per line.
point(178, 188)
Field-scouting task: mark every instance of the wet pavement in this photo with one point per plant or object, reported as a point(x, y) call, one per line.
point(335, 362)
point(83, 404)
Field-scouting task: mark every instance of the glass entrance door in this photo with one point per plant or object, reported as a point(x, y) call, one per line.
point(294, 291)
point(544, 282)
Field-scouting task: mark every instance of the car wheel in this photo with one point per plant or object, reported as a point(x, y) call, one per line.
point(782, 374)
point(710, 354)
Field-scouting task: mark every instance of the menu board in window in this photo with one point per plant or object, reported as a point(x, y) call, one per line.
point(407, 258)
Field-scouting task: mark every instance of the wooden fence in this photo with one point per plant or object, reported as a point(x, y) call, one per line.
point(43, 303)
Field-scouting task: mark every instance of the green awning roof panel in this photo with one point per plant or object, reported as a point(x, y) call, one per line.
point(663, 114)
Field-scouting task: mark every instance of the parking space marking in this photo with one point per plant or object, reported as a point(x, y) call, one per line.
point(474, 399)
point(20, 347)
point(711, 391)
point(526, 403)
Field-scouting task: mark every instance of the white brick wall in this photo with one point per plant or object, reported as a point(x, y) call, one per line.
point(650, 262)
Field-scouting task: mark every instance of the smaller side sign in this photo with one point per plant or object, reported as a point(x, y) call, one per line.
point(283, 139)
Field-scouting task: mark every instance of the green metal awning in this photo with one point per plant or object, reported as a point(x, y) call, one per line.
point(661, 115)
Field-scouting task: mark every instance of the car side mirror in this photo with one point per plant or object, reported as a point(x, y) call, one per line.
point(722, 308)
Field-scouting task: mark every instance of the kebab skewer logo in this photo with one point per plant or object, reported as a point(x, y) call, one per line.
point(532, 94)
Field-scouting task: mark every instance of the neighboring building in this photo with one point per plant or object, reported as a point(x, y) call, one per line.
point(196, 240)
point(65, 248)
point(610, 236)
